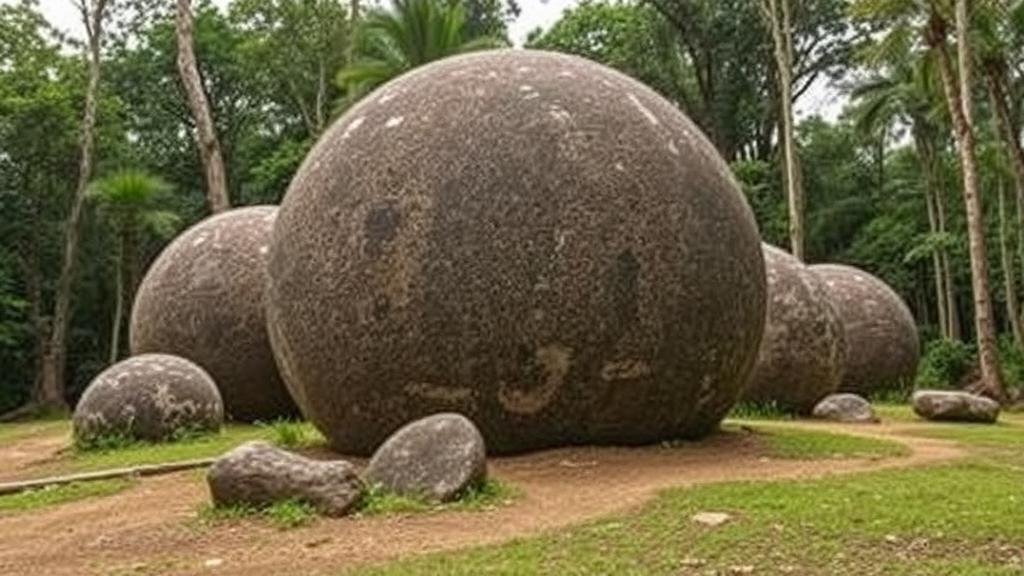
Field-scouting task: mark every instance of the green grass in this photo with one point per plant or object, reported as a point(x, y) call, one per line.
point(294, 434)
point(760, 411)
point(492, 493)
point(815, 445)
point(284, 515)
point(14, 431)
point(956, 519)
point(53, 495)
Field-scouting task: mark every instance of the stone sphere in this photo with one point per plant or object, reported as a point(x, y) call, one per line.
point(202, 299)
point(149, 397)
point(803, 351)
point(882, 347)
point(529, 239)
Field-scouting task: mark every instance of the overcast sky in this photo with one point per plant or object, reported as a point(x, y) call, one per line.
point(821, 98)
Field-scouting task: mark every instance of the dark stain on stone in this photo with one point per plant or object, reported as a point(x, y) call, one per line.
point(624, 290)
point(381, 227)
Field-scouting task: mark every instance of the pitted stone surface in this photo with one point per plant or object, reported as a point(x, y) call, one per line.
point(845, 407)
point(803, 351)
point(529, 239)
point(954, 406)
point(202, 299)
point(149, 397)
point(258, 474)
point(438, 458)
point(882, 347)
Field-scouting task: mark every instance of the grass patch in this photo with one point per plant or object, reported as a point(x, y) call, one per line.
point(816, 445)
point(13, 431)
point(294, 434)
point(284, 515)
point(379, 502)
point(760, 411)
point(53, 495)
point(916, 521)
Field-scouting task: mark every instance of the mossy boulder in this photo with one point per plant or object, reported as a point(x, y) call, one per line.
point(202, 299)
point(152, 397)
point(529, 239)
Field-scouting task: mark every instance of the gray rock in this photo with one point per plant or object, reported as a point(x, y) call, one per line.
point(803, 351)
point(437, 458)
point(530, 239)
point(258, 474)
point(882, 344)
point(149, 397)
point(845, 408)
point(954, 406)
point(202, 299)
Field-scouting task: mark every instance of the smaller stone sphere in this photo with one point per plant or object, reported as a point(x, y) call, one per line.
point(202, 299)
point(149, 397)
point(803, 350)
point(882, 346)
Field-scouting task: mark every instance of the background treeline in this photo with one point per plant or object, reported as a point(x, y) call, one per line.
point(882, 183)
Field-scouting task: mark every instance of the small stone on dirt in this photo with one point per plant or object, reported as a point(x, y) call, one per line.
point(712, 519)
point(845, 408)
point(954, 406)
point(437, 458)
point(213, 563)
point(258, 474)
point(741, 569)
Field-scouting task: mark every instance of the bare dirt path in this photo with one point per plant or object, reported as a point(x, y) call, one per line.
point(151, 528)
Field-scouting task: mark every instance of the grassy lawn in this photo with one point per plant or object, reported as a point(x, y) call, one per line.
point(918, 521)
point(34, 499)
point(786, 442)
point(10, 432)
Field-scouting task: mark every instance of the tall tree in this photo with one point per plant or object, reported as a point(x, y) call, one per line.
point(960, 99)
point(49, 392)
point(205, 130)
point(412, 33)
point(777, 17)
point(131, 202)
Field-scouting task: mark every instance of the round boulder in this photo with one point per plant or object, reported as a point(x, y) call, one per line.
point(530, 239)
point(202, 299)
point(437, 458)
point(150, 397)
point(882, 347)
point(802, 352)
point(845, 407)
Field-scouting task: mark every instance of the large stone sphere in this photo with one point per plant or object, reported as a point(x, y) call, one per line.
point(148, 397)
point(202, 299)
point(882, 347)
point(803, 350)
point(529, 239)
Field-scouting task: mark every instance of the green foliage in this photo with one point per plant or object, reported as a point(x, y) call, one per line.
point(413, 33)
point(284, 515)
point(294, 434)
point(1011, 360)
point(379, 502)
point(61, 494)
point(944, 364)
point(760, 411)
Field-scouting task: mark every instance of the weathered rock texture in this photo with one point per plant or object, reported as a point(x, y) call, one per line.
point(149, 397)
point(882, 347)
point(845, 408)
point(530, 239)
point(258, 474)
point(954, 406)
point(438, 458)
point(202, 299)
point(803, 351)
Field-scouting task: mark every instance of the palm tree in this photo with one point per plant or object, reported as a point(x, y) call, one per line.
point(905, 94)
point(130, 202)
point(413, 33)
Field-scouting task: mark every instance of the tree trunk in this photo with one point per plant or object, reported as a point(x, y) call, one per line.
point(206, 134)
point(996, 83)
point(940, 289)
point(952, 310)
point(782, 36)
point(50, 391)
point(115, 329)
point(961, 109)
point(1009, 275)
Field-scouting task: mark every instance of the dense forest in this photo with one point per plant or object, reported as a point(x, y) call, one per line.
point(161, 113)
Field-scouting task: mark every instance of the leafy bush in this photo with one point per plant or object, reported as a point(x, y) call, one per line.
point(944, 364)
point(1012, 361)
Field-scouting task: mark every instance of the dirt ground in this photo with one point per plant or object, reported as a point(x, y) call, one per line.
point(151, 528)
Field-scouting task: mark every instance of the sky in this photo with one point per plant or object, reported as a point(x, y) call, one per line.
point(820, 99)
